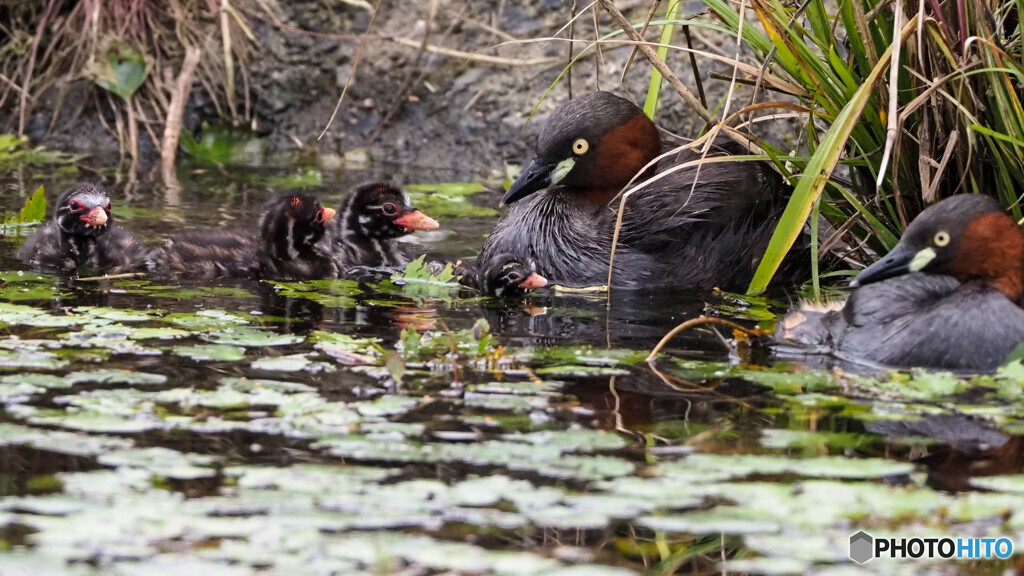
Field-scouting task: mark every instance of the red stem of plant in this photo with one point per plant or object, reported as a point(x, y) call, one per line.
point(961, 14)
point(937, 13)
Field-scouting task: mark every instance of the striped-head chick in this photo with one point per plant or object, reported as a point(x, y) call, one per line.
point(382, 211)
point(84, 211)
point(510, 276)
point(292, 224)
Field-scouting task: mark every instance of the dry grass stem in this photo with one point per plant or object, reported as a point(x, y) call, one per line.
point(176, 110)
point(352, 72)
point(694, 322)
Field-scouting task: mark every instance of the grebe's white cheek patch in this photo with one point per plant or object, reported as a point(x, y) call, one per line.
point(921, 259)
point(562, 170)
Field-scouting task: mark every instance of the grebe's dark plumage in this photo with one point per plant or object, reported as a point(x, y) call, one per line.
point(288, 246)
point(693, 228)
point(947, 296)
point(370, 221)
point(82, 233)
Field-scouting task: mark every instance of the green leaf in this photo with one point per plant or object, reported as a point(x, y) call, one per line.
point(125, 71)
point(419, 271)
point(667, 32)
point(35, 208)
point(817, 174)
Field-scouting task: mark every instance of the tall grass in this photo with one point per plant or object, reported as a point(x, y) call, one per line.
point(948, 118)
point(898, 105)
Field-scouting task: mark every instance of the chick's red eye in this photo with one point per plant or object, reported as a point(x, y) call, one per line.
point(75, 206)
point(389, 209)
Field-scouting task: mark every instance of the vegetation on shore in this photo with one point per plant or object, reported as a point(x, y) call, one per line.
point(884, 106)
point(895, 106)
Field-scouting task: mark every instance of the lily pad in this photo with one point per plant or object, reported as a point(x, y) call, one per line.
point(249, 337)
point(210, 352)
point(116, 377)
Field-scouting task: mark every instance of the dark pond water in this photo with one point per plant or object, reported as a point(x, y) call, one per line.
point(409, 427)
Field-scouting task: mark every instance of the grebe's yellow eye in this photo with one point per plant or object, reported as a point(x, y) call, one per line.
point(941, 238)
point(580, 146)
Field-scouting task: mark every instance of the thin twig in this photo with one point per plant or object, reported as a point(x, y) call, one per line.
point(111, 277)
point(693, 65)
point(700, 321)
point(352, 72)
point(658, 63)
point(893, 120)
point(931, 193)
point(471, 57)
point(642, 32)
point(572, 36)
point(229, 61)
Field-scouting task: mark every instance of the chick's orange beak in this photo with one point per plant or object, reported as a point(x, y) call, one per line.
point(328, 214)
point(96, 217)
point(416, 220)
point(533, 281)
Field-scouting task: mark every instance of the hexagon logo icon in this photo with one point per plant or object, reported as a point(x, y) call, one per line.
point(862, 547)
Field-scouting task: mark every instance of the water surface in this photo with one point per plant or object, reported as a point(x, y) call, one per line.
point(401, 426)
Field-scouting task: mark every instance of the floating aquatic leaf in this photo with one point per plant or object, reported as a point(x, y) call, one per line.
point(422, 280)
point(718, 521)
point(586, 355)
point(188, 293)
point(158, 333)
point(505, 402)
point(740, 466)
point(117, 314)
point(521, 388)
point(1011, 484)
point(345, 347)
point(28, 293)
point(292, 363)
point(95, 422)
point(330, 293)
point(59, 442)
point(116, 377)
point(420, 271)
point(247, 385)
point(40, 380)
point(33, 359)
point(162, 462)
point(387, 406)
point(245, 336)
point(18, 393)
point(206, 319)
point(566, 518)
point(210, 352)
point(577, 370)
point(580, 440)
point(397, 429)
